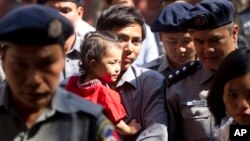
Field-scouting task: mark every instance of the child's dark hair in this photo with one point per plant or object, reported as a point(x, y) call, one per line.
point(94, 46)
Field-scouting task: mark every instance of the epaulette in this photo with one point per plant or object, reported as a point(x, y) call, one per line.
point(85, 106)
point(182, 72)
point(71, 103)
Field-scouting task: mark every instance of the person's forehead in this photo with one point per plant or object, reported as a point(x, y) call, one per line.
point(239, 83)
point(27, 52)
point(113, 51)
point(176, 36)
point(207, 32)
point(134, 29)
point(180, 33)
point(46, 1)
point(125, 2)
point(61, 4)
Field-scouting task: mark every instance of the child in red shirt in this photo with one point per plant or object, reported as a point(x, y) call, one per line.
point(100, 64)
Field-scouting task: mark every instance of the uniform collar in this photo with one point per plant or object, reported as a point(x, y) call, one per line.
point(165, 64)
point(59, 104)
point(206, 74)
point(5, 96)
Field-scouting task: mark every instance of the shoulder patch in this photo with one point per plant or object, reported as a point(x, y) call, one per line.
point(85, 106)
point(68, 102)
point(106, 130)
point(182, 72)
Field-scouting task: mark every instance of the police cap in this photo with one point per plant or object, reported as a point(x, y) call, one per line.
point(209, 14)
point(169, 18)
point(35, 25)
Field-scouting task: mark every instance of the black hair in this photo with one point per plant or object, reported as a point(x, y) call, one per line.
point(94, 46)
point(109, 2)
point(237, 63)
point(119, 16)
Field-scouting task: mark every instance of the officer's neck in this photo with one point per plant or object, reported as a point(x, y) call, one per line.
point(28, 115)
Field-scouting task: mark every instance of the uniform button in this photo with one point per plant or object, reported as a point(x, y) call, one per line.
point(177, 72)
point(184, 68)
point(197, 113)
point(170, 76)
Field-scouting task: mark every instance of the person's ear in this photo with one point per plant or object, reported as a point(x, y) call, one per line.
point(80, 11)
point(235, 32)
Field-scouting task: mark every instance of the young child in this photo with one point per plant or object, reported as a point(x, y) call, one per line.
point(229, 94)
point(100, 64)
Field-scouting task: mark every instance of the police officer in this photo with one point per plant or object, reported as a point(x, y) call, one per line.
point(177, 42)
point(32, 107)
point(73, 11)
point(214, 35)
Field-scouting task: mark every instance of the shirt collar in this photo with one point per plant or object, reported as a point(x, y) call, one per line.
point(77, 43)
point(129, 76)
point(90, 84)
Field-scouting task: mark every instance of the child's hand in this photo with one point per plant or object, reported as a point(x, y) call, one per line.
point(134, 126)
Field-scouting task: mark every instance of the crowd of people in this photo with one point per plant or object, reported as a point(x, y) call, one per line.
point(63, 79)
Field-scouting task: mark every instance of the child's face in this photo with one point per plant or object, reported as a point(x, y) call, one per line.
point(236, 98)
point(110, 66)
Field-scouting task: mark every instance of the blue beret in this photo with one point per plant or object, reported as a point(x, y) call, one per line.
point(35, 25)
point(209, 14)
point(169, 18)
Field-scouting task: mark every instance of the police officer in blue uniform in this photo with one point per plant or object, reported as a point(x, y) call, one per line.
point(72, 10)
point(32, 106)
point(214, 35)
point(177, 42)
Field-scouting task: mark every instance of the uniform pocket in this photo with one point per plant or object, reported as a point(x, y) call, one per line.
point(195, 112)
point(197, 122)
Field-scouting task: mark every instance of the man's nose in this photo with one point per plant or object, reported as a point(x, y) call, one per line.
point(181, 49)
point(34, 77)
